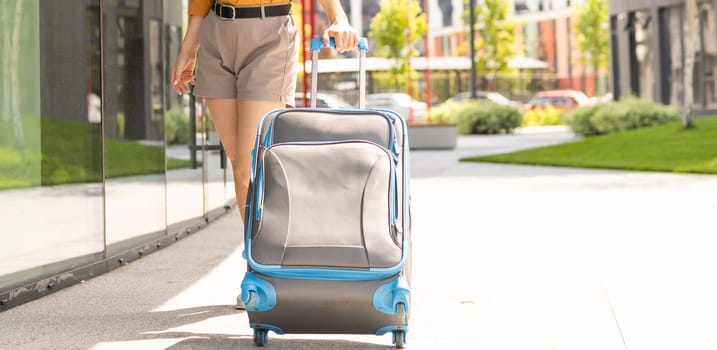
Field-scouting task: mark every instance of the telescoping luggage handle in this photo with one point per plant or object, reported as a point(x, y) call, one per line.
point(316, 45)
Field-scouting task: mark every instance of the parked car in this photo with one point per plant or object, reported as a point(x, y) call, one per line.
point(398, 102)
point(323, 100)
point(491, 96)
point(561, 99)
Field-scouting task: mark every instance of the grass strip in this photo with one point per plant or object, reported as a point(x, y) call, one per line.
point(666, 148)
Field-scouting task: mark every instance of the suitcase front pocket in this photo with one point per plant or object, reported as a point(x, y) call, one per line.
point(326, 205)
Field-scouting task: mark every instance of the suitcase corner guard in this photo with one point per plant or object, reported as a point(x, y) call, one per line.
point(387, 297)
point(257, 294)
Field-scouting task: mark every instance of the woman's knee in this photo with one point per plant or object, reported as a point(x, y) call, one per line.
point(242, 173)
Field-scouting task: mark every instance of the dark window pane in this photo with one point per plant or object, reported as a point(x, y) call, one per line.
point(134, 124)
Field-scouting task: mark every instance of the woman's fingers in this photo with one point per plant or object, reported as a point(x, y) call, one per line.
point(176, 82)
point(348, 41)
point(182, 75)
point(344, 35)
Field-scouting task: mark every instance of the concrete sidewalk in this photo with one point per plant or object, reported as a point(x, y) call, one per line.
point(505, 257)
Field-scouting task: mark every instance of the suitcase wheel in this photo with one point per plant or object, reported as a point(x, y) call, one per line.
point(399, 338)
point(401, 313)
point(261, 337)
point(399, 335)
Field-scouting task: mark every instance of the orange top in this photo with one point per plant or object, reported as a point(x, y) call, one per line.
point(202, 7)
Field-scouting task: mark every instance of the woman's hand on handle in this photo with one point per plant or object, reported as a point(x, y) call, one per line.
point(344, 34)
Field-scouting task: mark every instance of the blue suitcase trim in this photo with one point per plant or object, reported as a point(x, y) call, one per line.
point(254, 211)
point(267, 327)
point(318, 273)
point(387, 329)
point(387, 297)
point(318, 44)
point(257, 294)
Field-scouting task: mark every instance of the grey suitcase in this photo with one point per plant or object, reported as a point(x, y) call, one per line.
point(327, 238)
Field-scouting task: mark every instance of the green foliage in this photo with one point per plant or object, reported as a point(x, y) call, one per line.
point(445, 113)
point(208, 121)
point(176, 126)
point(393, 31)
point(668, 147)
point(543, 116)
point(121, 125)
point(594, 32)
point(479, 117)
point(18, 168)
point(495, 41)
point(6, 135)
point(71, 153)
point(627, 114)
point(579, 120)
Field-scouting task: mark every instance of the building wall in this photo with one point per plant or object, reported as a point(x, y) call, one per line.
point(546, 32)
point(618, 6)
point(649, 51)
point(64, 72)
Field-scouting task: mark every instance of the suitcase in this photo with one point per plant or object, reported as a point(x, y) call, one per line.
point(327, 238)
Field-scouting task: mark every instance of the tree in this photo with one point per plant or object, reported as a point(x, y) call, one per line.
point(11, 21)
point(691, 42)
point(394, 30)
point(495, 41)
point(593, 34)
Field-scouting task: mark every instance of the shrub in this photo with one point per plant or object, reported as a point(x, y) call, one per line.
point(627, 114)
point(7, 138)
point(176, 126)
point(477, 117)
point(543, 116)
point(208, 121)
point(580, 119)
point(445, 113)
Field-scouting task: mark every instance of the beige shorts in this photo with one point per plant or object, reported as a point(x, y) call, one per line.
point(247, 59)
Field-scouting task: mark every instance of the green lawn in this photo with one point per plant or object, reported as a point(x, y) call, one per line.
point(126, 158)
point(71, 153)
point(667, 148)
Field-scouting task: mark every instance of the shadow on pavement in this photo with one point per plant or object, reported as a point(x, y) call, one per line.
point(214, 342)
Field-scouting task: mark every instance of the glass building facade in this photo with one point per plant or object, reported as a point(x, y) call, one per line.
point(100, 161)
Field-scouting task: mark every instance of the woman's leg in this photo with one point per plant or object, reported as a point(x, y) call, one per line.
point(236, 122)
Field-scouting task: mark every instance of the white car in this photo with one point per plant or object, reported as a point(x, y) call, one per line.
point(322, 101)
point(486, 96)
point(398, 102)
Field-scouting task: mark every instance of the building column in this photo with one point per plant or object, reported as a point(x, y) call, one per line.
point(357, 16)
point(656, 43)
point(620, 56)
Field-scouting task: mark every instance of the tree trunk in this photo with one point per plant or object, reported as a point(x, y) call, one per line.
point(596, 80)
point(583, 62)
point(14, 81)
point(691, 43)
point(4, 64)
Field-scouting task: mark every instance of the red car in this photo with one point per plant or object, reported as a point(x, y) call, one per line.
point(561, 99)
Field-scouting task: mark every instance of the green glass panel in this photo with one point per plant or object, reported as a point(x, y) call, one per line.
point(50, 138)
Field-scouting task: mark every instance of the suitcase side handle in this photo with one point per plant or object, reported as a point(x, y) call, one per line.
point(316, 45)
